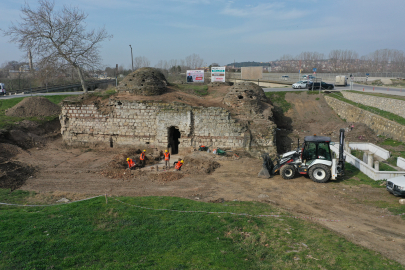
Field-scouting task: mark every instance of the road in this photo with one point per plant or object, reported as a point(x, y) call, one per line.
point(356, 87)
point(43, 94)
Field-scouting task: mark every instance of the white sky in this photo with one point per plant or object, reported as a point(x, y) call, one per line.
point(222, 31)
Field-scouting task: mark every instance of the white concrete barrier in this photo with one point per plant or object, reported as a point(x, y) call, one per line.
point(365, 168)
point(401, 162)
point(376, 150)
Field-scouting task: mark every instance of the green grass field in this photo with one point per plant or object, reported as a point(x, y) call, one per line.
point(95, 235)
point(8, 121)
point(385, 114)
point(197, 89)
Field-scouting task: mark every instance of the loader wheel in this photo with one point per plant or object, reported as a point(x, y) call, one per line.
point(287, 172)
point(319, 173)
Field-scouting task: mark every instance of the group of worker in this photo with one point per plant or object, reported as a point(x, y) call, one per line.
point(142, 157)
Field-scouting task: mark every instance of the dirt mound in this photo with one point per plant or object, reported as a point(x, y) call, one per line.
point(14, 174)
point(27, 134)
point(309, 115)
point(34, 106)
point(145, 82)
point(246, 98)
point(117, 167)
point(200, 163)
point(8, 150)
point(120, 161)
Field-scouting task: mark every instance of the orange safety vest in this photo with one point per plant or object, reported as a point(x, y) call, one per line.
point(131, 163)
point(142, 156)
point(167, 156)
point(178, 165)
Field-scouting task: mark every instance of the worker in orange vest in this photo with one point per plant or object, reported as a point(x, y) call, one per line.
point(167, 159)
point(131, 163)
point(178, 165)
point(142, 158)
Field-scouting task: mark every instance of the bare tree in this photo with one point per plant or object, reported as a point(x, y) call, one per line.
point(194, 61)
point(54, 35)
point(334, 59)
point(141, 61)
point(310, 60)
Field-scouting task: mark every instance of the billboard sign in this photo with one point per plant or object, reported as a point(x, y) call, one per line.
point(195, 76)
point(218, 74)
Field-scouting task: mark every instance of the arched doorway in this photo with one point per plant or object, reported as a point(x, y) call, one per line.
point(173, 139)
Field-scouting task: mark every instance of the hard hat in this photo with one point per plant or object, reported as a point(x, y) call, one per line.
point(166, 151)
point(182, 161)
point(144, 150)
point(127, 159)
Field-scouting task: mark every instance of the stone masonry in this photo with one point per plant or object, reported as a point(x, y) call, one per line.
point(391, 105)
point(147, 122)
point(380, 125)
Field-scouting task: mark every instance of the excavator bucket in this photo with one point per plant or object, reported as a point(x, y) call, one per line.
point(267, 168)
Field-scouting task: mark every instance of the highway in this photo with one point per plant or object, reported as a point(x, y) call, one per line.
point(43, 94)
point(356, 87)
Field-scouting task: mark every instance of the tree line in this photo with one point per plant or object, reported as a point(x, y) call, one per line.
point(382, 60)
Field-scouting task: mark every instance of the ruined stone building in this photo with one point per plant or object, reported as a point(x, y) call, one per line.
point(244, 120)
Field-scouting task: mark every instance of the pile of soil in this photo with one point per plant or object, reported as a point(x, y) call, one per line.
point(310, 114)
point(120, 161)
point(27, 134)
point(34, 106)
point(8, 150)
point(14, 174)
point(200, 163)
point(145, 81)
point(117, 167)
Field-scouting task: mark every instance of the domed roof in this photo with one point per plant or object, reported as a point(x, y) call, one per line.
point(145, 81)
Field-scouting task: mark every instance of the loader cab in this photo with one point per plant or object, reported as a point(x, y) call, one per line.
point(316, 148)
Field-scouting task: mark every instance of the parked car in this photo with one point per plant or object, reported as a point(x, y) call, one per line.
point(300, 85)
point(316, 85)
point(396, 185)
point(2, 89)
point(308, 77)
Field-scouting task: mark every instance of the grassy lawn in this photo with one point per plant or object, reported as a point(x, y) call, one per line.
point(197, 89)
point(105, 94)
point(388, 115)
point(382, 166)
point(397, 151)
point(8, 121)
point(93, 235)
point(279, 98)
point(354, 177)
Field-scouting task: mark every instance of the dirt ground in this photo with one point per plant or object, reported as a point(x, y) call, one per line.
point(309, 115)
point(74, 173)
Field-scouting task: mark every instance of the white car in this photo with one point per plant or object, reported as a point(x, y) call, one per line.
point(396, 185)
point(2, 89)
point(300, 85)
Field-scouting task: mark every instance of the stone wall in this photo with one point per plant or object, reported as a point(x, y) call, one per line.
point(391, 105)
point(123, 122)
point(380, 125)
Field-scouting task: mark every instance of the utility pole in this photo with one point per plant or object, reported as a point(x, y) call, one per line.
point(116, 74)
point(132, 58)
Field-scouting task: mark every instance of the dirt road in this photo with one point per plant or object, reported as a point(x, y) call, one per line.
point(76, 173)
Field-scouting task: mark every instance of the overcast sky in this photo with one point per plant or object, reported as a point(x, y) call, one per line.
point(224, 31)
